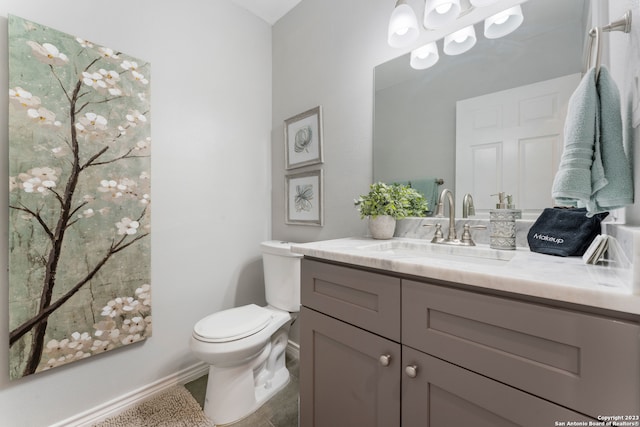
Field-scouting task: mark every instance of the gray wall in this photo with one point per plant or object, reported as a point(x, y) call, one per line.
point(324, 52)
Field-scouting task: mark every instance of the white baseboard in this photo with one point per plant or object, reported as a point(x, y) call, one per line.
point(119, 404)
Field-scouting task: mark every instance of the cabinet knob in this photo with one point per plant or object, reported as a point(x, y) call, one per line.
point(411, 371)
point(385, 359)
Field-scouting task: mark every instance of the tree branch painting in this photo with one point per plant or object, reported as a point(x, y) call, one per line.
point(80, 206)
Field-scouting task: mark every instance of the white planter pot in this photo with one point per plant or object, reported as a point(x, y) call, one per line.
point(382, 226)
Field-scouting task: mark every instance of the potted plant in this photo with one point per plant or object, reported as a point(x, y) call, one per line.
point(386, 203)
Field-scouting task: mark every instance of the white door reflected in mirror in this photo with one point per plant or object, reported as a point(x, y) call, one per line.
point(512, 141)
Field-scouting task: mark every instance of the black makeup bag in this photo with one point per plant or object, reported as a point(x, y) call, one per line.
point(564, 231)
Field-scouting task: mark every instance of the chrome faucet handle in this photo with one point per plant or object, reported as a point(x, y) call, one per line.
point(466, 234)
point(437, 235)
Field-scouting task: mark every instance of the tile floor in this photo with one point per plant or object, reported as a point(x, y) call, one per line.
point(280, 411)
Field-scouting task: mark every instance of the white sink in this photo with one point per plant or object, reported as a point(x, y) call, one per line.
point(467, 254)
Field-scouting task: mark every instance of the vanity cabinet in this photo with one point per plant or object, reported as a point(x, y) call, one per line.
point(349, 368)
point(380, 349)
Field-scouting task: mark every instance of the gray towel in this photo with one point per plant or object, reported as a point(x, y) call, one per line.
point(572, 182)
point(617, 190)
point(594, 170)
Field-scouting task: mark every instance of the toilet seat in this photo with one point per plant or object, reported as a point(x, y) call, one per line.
point(232, 324)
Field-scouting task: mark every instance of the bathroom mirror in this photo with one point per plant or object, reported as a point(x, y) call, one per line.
point(415, 110)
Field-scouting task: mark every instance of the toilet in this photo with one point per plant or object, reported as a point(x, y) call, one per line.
point(245, 346)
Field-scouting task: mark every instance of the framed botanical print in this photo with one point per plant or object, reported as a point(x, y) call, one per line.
point(303, 139)
point(304, 193)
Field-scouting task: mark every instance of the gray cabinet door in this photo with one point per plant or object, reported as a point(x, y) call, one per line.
point(582, 361)
point(445, 395)
point(343, 381)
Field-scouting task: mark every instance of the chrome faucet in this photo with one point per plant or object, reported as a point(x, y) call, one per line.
point(452, 238)
point(468, 209)
point(452, 214)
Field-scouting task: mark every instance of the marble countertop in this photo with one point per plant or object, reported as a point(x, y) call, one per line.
point(525, 273)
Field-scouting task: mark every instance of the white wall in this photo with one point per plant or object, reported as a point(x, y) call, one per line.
point(624, 61)
point(211, 123)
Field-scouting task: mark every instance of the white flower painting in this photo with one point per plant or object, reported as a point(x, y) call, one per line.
point(80, 205)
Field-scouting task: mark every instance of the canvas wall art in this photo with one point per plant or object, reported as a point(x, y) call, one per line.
point(79, 196)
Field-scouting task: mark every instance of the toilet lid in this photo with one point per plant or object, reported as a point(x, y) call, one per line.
point(233, 324)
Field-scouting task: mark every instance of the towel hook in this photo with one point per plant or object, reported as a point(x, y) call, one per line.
point(623, 24)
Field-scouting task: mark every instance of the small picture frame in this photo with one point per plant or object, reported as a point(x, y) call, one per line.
point(303, 139)
point(304, 198)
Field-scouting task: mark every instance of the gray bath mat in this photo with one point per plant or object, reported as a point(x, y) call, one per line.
point(174, 407)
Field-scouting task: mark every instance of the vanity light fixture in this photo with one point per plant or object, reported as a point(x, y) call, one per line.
point(439, 13)
point(482, 3)
point(460, 41)
point(425, 56)
point(403, 25)
point(503, 23)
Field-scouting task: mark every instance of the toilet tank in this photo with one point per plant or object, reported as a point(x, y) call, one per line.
point(281, 275)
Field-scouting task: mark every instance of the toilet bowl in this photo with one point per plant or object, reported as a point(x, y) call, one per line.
point(233, 336)
point(245, 346)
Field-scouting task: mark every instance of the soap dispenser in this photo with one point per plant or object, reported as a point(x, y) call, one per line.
point(502, 222)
